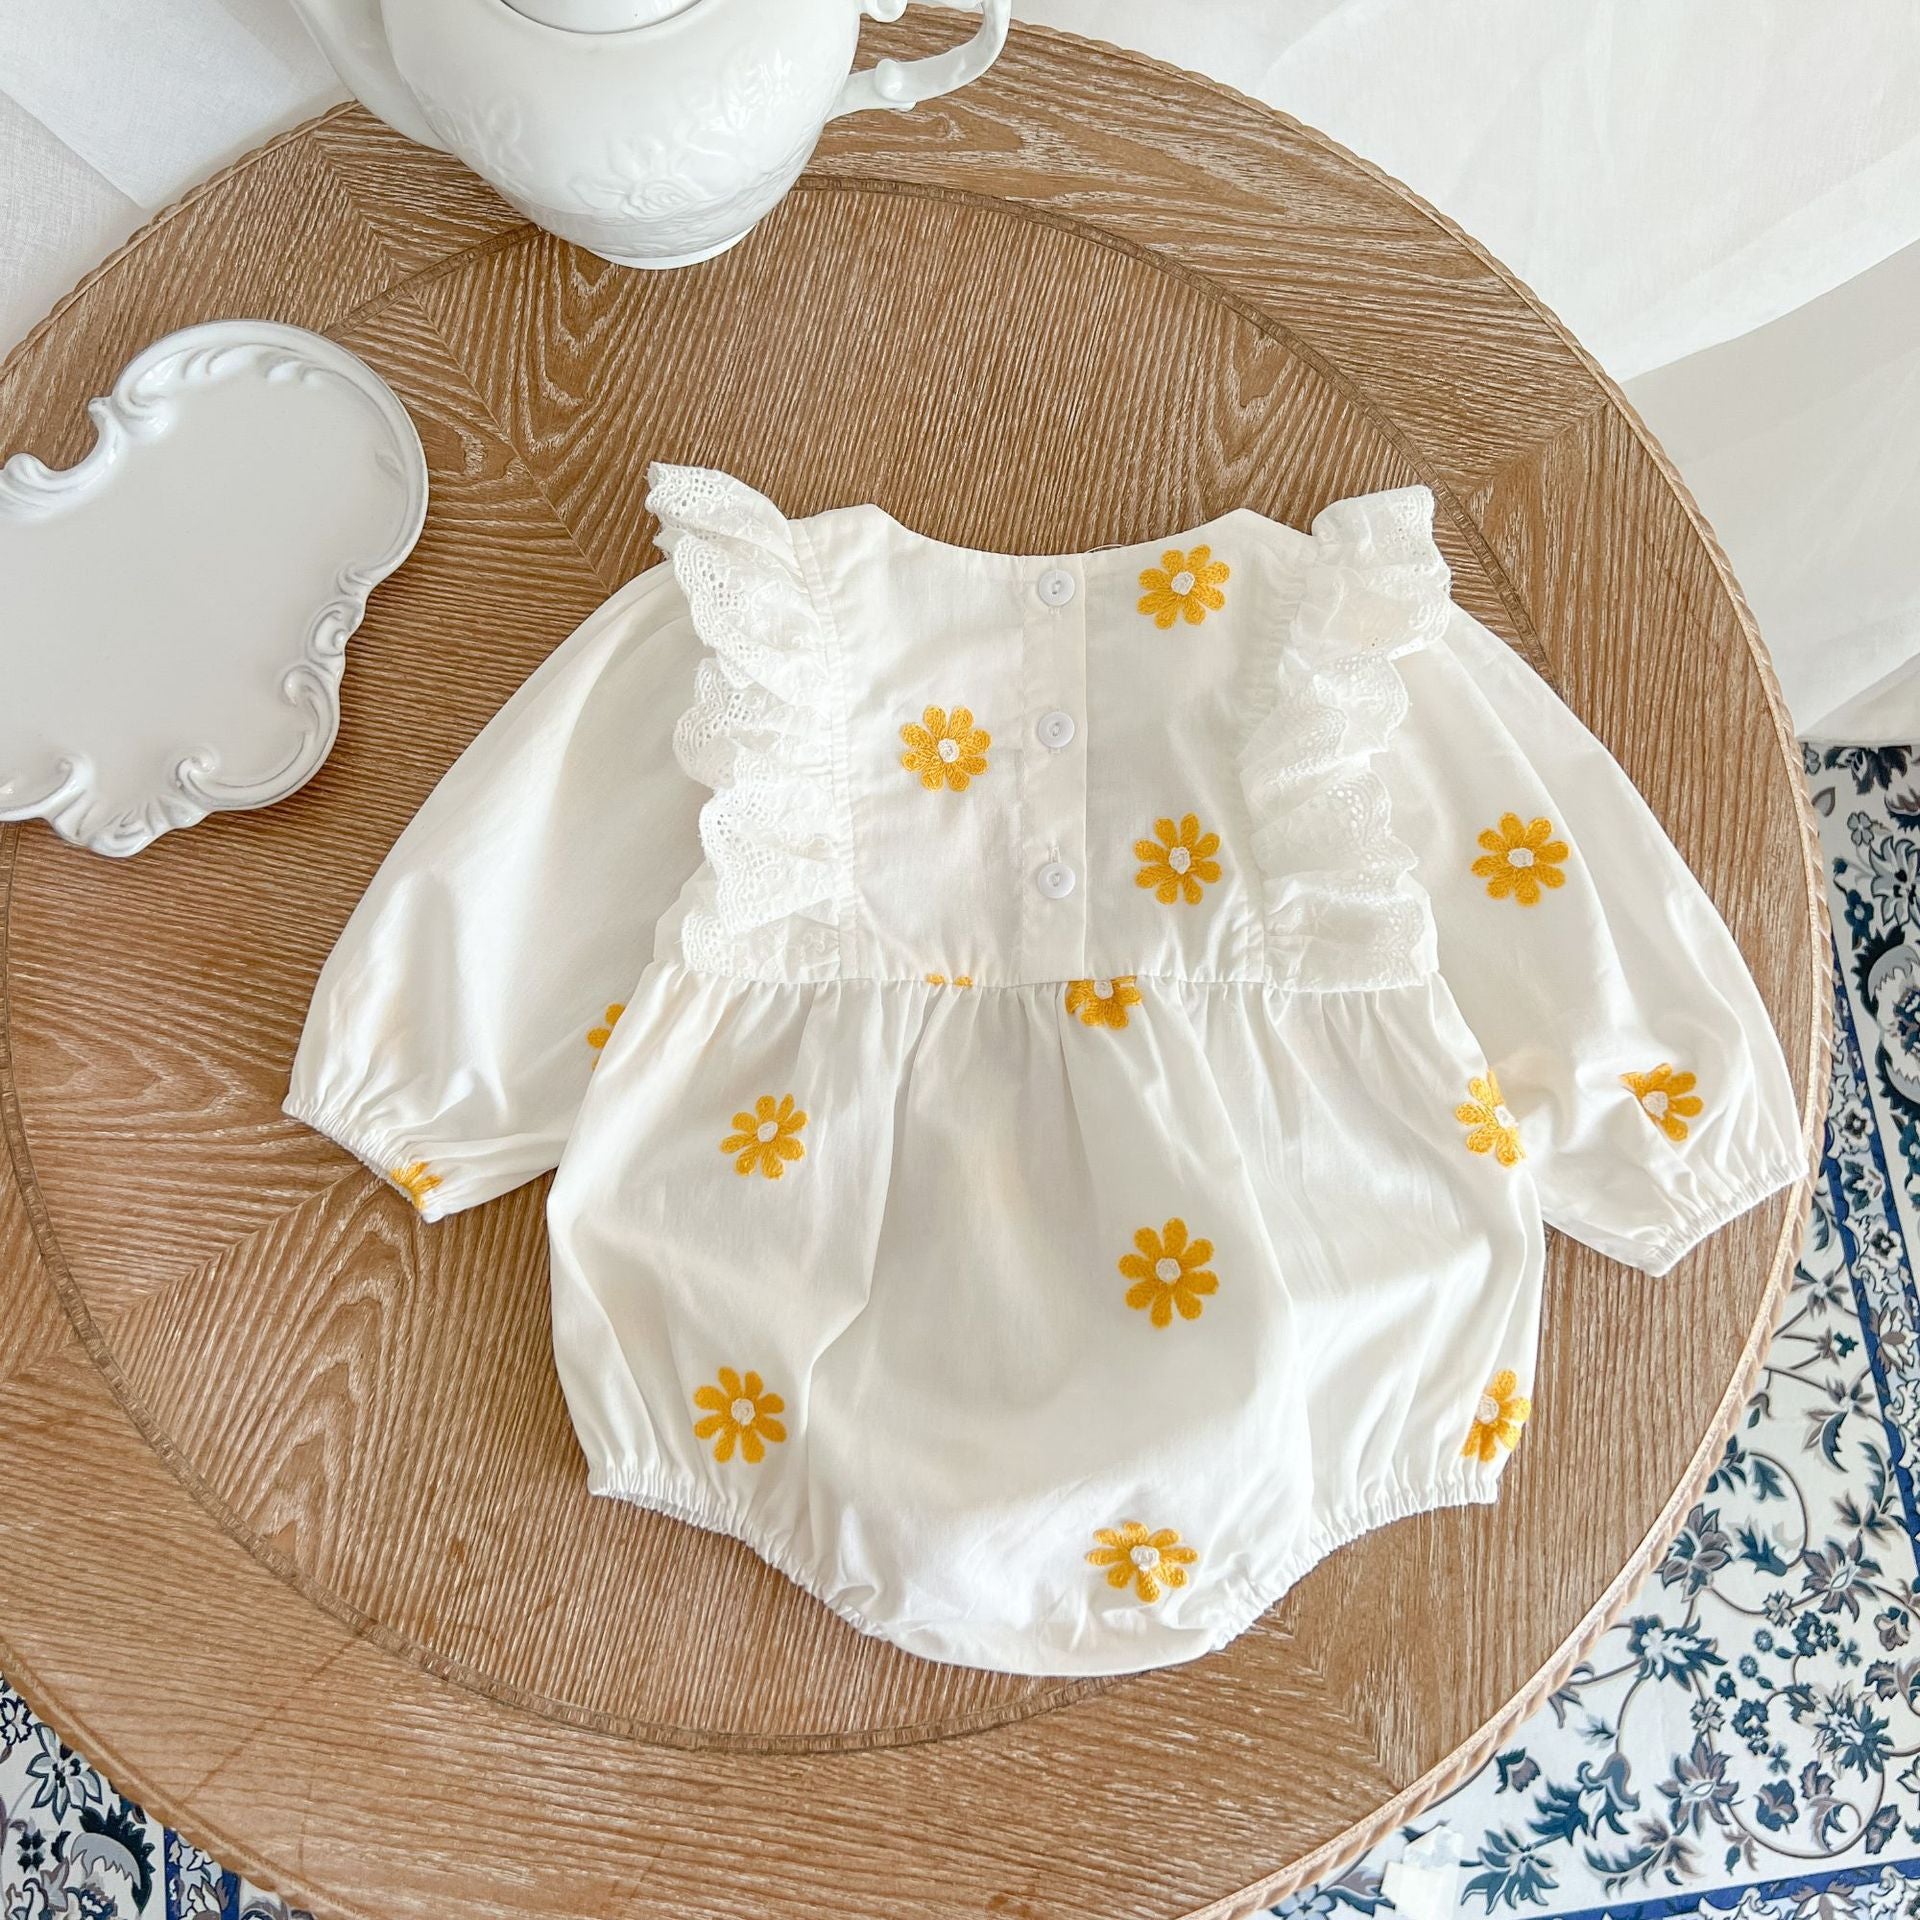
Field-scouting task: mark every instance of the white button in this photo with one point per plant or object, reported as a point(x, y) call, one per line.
point(1055, 729)
point(1055, 879)
point(1055, 586)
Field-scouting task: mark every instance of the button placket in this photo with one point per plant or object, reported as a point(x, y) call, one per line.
point(1052, 851)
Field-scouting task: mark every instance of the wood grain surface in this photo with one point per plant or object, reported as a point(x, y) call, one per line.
point(298, 1546)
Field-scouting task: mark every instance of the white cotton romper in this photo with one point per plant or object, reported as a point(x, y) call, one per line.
point(1057, 1065)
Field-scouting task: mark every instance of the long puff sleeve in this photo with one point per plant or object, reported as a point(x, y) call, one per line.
point(1627, 1041)
point(454, 1027)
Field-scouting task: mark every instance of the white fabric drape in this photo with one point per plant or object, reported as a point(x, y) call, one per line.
point(1721, 199)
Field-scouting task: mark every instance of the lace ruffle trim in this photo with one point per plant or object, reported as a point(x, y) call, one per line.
point(759, 733)
point(1342, 909)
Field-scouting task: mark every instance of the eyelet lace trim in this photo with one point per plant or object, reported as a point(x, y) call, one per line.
point(759, 733)
point(1342, 909)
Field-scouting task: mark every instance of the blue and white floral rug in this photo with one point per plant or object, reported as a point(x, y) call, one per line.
point(1745, 1741)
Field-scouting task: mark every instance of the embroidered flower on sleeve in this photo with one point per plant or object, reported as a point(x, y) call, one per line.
point(1180, 862)
point(1184, 586)
point(1103, 1003)
point(597, 1037)
point(1521, 857)
point(1666, 1098)
point(1168, 1270)
point(415, 1181)
point(1497, 1420)
point(764, 1140)
point(1147, 1561)
point(941, 980)
point(739, 1412)
point(945, 749)
point(1493, 1129)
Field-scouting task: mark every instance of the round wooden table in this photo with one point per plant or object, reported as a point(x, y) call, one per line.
point(297, 1541)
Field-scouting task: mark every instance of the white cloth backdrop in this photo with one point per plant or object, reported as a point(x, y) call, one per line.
point(1721, 198)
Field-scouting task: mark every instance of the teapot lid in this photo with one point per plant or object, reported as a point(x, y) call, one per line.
point(599, 16)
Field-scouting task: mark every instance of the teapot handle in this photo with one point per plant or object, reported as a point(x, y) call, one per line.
point(903, 84)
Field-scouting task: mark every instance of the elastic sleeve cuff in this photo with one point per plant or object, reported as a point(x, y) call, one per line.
point(379, 1152)
point(1658, 1250)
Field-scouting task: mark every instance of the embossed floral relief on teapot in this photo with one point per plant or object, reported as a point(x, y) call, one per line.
point(655, 132)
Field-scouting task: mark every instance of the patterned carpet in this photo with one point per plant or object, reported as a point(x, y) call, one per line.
point(1745, 1741)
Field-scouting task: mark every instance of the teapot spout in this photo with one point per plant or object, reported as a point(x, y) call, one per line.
point(353, 36)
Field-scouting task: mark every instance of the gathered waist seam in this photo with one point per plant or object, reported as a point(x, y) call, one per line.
point(1290, 989)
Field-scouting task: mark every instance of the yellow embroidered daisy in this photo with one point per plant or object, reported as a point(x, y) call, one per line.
point(416, 1182)
point(1666, 1098)
point(945, 749)
point(941, 980)
point(739, 1412)
point(1521, 857)
point(597, 1037)
point(1168, 1270)
point(1103, 1003)
point(764, 1140)
point(1498, 1418)
point(1147, 1561)
point(1184, 586)
point(1180, 862)
point(1493, 1129)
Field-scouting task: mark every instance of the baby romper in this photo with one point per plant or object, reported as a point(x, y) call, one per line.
point(1057, 1065)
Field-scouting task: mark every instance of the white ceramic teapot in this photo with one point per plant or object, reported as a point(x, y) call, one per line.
point(655, 132)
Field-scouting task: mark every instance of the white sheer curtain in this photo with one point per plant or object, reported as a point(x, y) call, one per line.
point(1721, 198)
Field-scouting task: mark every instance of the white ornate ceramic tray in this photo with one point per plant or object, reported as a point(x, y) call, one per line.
point(175, 608)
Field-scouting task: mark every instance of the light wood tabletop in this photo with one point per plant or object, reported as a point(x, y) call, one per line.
point(297, 1544)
